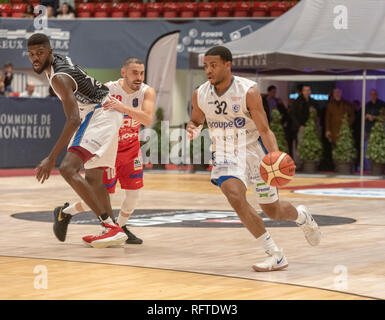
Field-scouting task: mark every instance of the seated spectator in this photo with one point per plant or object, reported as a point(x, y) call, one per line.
point(50, 12)
point(335, 111)
point(30, 91)
point(8, 76)
point(51, 3)
point(28, 12)
point(66, 12)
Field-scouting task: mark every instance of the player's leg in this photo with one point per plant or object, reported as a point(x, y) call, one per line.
point(284, 210)
point(130, 175)
point(95, 179)
point(69, 169)
point(77, 207)
point(127, 208)
point(235, 192)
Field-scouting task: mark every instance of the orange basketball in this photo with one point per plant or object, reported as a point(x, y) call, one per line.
point(277, 168)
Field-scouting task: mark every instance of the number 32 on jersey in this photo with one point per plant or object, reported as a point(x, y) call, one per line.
point(220, 107)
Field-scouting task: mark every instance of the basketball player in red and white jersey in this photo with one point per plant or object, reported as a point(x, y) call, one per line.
point(137, 101)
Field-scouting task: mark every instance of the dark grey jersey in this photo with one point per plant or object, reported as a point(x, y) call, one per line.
point(88, 91)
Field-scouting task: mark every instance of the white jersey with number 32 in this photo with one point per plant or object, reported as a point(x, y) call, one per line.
point(228, 119)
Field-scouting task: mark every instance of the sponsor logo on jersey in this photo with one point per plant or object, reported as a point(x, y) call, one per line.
point(236, 107)
point(236, 99)
point(135, 102)
point(82, 98)
point(130, 123)
point(262, 189)
point(138, 163)
point(238, 123)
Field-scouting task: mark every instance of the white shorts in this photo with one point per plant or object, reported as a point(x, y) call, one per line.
point(98, 133)
point(246, 170)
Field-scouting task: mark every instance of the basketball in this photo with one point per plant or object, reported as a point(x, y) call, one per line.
point(277, 168)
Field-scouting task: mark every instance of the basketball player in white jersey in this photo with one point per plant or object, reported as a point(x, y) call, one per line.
point(88, 133)
point(137, 101)
point(240, 134)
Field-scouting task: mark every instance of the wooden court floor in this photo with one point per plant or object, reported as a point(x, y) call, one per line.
point(188, 262)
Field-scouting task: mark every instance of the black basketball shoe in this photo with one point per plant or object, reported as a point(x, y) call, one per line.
point(61, 221)
point(132, 239)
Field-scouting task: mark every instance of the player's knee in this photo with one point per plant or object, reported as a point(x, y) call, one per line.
point(130, 200)
point(235, 199)
point(66, 170)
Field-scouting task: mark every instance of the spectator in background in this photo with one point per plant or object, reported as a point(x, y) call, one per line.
point(28, 12)
point(335, 111)
point(299, 89)
point(50, 12)
point(372, 110)
point(8, 76)
point(30, 91)
point(271, 102)
point(71, 3)
point(299, 115)
point(51, 3)
point(2, 86)
point(66, 12)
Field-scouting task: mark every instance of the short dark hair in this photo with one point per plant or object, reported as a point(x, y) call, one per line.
point(38, 38)
point(132, 60)
point(221, 51)
point(272, 87)
point(8, 64)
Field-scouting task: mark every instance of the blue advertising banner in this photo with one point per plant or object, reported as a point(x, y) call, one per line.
point(29, 128)
point(105, 43)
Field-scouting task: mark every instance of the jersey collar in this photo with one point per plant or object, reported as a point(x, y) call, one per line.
point(231, 84)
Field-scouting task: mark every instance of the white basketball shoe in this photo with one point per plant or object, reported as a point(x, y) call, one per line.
point(310, 227)
point(276, 261)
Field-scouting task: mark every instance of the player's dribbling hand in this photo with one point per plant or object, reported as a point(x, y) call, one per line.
point(193, 131)
point(44, 169)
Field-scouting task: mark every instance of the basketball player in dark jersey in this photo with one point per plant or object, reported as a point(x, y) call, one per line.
point(90, 133)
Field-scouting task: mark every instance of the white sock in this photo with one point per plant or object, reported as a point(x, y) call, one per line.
point(123, 217)
point(267, 243)
point(77, 207)
point(105, 218)
point(301, 219)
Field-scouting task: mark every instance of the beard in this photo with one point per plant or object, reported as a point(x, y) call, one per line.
point(42, 68)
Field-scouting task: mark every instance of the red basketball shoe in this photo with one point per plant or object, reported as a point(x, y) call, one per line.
point(112, 235)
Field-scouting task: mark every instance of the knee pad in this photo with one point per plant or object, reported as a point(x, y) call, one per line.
point(130, 200)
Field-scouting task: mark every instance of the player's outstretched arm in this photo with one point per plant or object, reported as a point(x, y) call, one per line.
point(63, 86)
point(195, 124)
point(258, 114)
point(143, 116)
